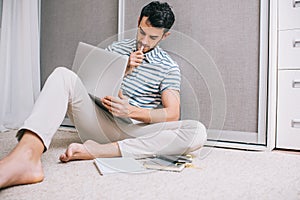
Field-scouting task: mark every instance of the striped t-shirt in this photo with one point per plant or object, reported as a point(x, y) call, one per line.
point(145, 84)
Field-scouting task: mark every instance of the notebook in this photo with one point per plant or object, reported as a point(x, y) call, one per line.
point(164, 165)
point(118, 165)
point(174, 163)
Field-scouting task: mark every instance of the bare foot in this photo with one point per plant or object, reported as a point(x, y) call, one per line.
point(76, 151)
point(20, 168)
point(23, 165)
point(90, 150)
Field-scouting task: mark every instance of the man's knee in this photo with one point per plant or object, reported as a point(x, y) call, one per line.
point(197, 136)
point(63, 71)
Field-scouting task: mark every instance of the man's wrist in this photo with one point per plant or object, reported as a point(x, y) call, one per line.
point(131, 111)
point(139, 114)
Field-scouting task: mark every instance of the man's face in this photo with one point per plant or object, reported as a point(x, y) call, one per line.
point(149, 36)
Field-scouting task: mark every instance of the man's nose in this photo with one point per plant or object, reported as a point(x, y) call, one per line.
point(144, 41)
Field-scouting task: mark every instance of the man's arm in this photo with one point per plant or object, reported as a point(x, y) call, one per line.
point(169, 112)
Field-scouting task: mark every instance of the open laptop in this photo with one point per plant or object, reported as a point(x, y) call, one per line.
point(100, 71)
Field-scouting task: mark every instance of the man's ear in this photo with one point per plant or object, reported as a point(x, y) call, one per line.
point(166, 35)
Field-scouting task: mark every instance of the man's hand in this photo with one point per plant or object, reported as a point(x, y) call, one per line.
point(119, 107)
point(135, 60)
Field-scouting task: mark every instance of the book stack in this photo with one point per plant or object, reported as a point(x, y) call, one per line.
point(130, 165)
point(168, 162)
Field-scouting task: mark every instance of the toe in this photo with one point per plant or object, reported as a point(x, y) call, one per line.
point(63, 158)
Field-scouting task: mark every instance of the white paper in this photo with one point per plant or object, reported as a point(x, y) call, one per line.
point(118, 165)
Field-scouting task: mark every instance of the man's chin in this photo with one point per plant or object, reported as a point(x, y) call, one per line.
point(147, 50)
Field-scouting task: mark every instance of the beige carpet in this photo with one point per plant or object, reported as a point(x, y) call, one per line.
point(222, 174)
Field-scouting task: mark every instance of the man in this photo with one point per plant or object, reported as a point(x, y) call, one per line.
point(149, 95)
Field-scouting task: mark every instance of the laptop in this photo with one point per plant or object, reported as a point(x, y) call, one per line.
point(100, 71)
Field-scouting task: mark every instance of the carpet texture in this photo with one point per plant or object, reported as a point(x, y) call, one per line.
point(221, 174)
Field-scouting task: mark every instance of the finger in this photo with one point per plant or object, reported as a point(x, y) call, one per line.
point(112, 105)
point(122, 97)
point(140, 53)
point(109, 99)
point(139, 56)
point(106, 105)
point(120, 94)
point(142, 47)
point(116, 100)
point(137, 61)
point(133, 65)
point(115, 106)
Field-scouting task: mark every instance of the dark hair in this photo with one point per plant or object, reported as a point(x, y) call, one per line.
point(160, 15)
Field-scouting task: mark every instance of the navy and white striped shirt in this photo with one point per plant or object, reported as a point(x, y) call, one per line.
point(145, 84)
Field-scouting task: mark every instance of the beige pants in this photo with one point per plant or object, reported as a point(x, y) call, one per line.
point(64, 93)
